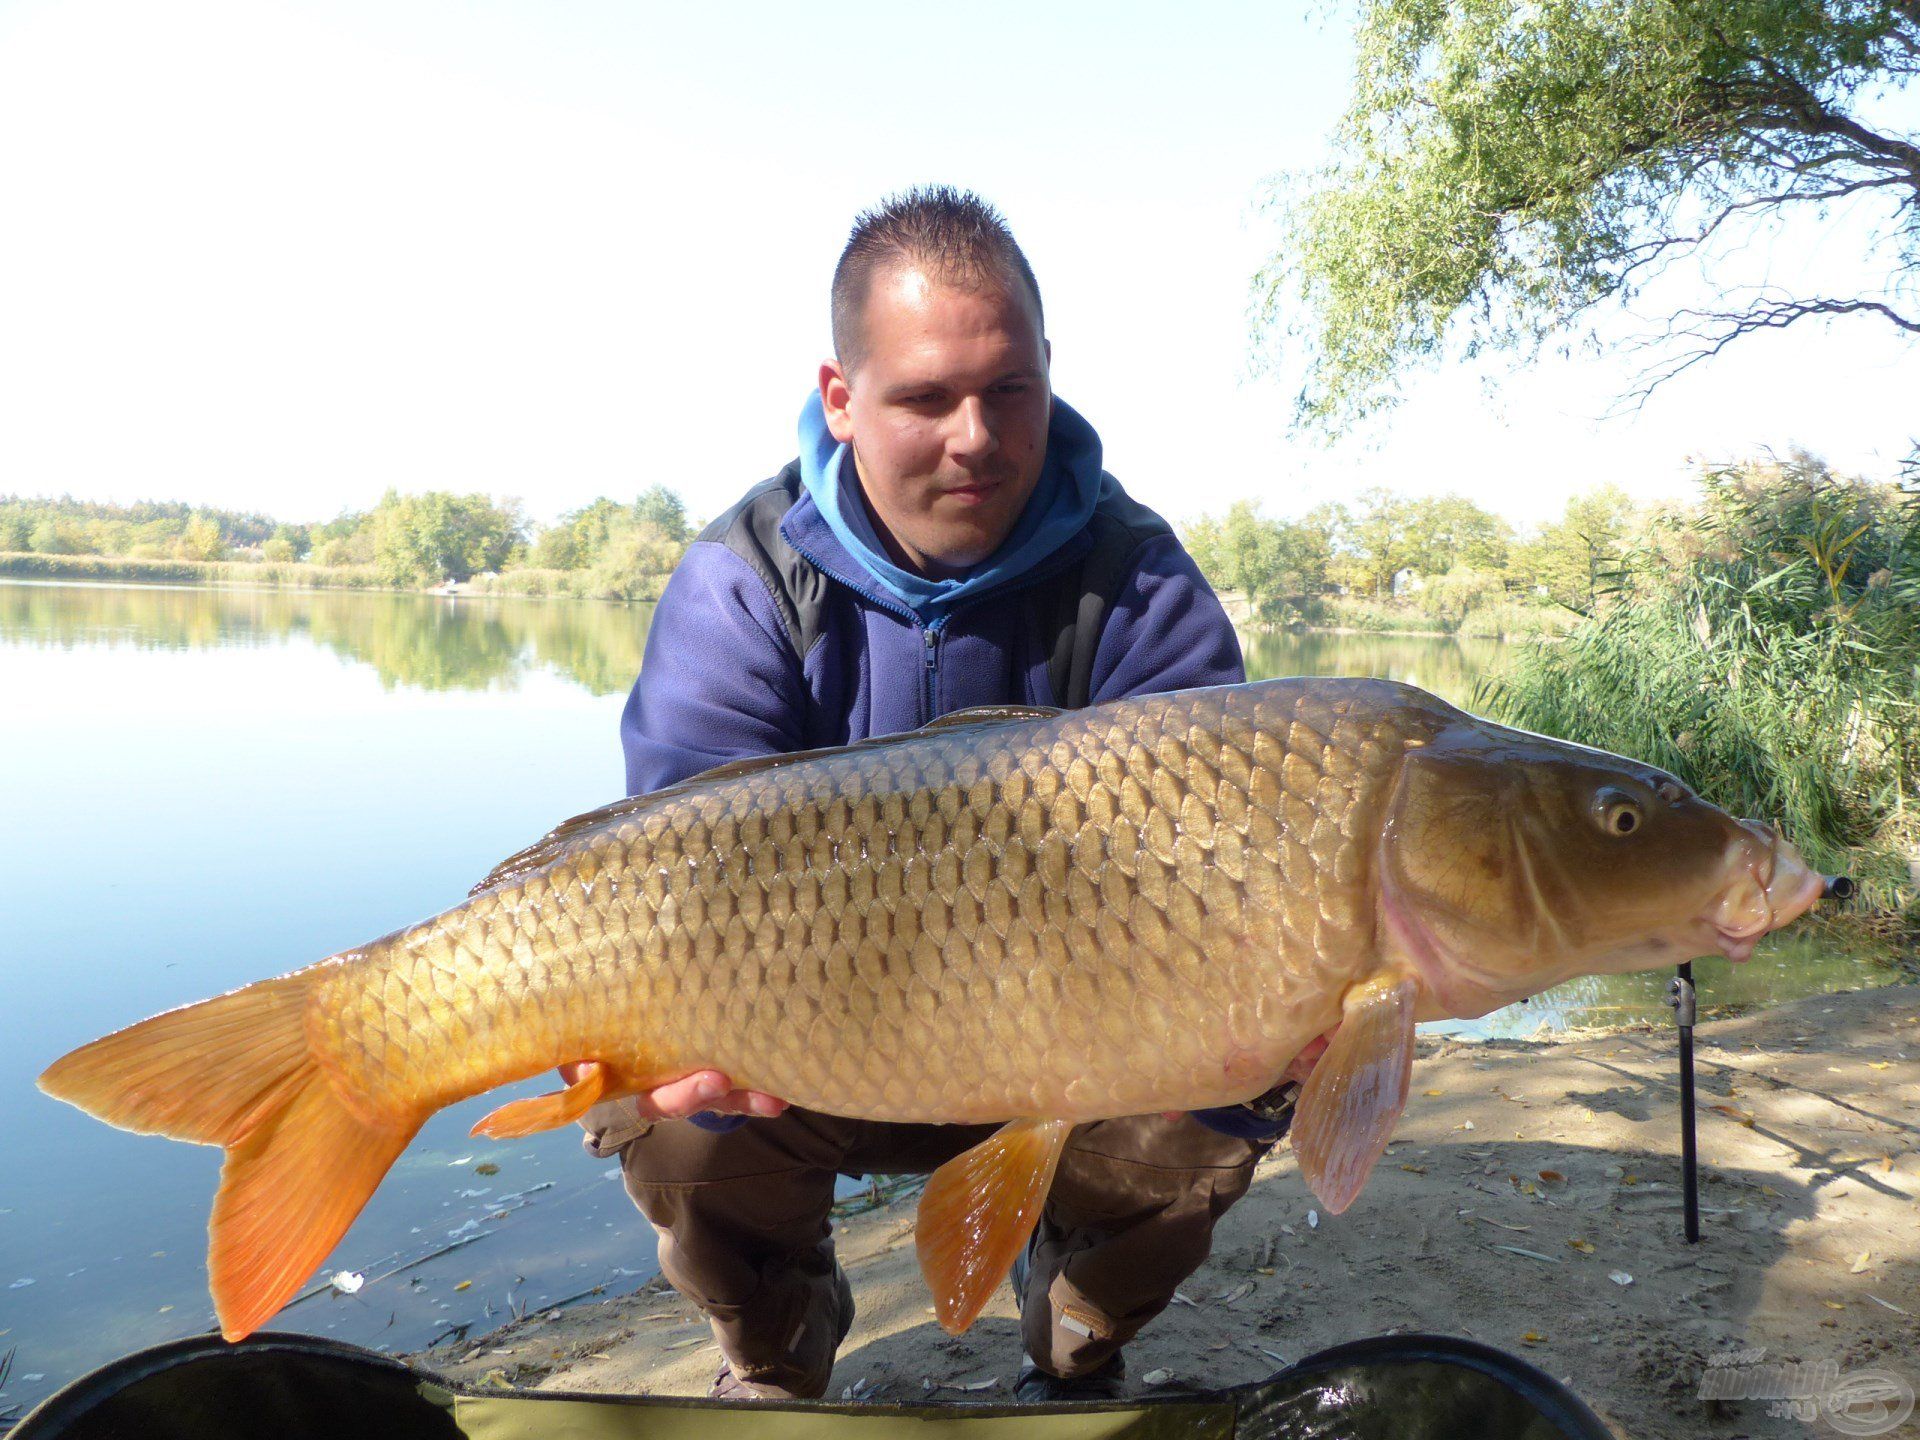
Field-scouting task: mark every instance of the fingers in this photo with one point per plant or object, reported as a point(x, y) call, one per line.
point(1301, 1066)
point(705, 1090)
point(685, 1096)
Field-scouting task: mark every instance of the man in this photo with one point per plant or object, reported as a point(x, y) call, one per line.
point(946, 539)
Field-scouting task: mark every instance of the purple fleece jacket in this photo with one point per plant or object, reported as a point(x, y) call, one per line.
point(720, 680)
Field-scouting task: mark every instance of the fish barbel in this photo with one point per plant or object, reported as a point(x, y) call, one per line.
point(1025, 915)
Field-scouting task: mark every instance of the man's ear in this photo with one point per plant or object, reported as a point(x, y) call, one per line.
point(835, 394)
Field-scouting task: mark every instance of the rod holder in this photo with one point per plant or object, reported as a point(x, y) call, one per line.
point(1680, 995)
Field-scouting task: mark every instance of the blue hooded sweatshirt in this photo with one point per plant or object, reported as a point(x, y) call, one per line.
point(722, 680)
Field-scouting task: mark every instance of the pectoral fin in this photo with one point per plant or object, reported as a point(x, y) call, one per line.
point(977, 1212)
point(546, 1112)
point(1351, 1102)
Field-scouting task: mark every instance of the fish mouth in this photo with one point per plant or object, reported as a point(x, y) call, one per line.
point(1772, 888)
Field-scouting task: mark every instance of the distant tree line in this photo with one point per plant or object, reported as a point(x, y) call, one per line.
point(1443, 556)
point(621, 550)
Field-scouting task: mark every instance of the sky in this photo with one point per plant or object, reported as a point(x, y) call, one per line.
point(282, 257)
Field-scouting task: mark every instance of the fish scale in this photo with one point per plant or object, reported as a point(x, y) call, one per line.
point(1072, 916)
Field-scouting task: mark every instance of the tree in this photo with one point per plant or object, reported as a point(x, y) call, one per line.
point(422, 539)
point(1577, 558)
point(201, 540)
point(662, 508)
point(1376, 538)
point(50, 537)
point(1505, 165)
point(1447, 532)
point(576, 541)
point(635, 563)
point(1265, 560)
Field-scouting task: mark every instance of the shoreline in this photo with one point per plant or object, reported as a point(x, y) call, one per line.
point(1526, 1177)
point(322, 583)
point(247, 585)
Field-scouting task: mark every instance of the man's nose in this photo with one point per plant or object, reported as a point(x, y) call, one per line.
point(971, 434)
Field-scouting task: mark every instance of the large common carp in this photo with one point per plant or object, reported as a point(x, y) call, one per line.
point(1020, 915)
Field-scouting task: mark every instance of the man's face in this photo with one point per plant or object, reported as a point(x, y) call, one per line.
point(947, 415)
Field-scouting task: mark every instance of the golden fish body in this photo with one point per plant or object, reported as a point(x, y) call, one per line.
point(1151, 905)
point(1018, 915)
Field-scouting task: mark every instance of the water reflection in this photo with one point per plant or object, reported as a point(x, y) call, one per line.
point(483, 642)
point(1447, 666)
point(423, 641)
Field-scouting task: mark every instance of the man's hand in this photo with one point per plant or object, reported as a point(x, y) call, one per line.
point(707, 1090)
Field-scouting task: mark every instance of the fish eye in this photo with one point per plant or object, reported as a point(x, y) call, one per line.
point(1618, 812)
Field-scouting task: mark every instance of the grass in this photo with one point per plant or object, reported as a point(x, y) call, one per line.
point(296, 575)
point(1499, 620)
point(576, 584)
point(291, 575)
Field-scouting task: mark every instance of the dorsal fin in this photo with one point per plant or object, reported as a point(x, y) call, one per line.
point(989, 715)
point(548, 847)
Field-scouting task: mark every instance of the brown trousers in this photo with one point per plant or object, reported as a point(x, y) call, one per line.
point(744, 1233)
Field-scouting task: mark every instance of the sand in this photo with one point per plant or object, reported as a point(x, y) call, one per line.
point(1531, 1199)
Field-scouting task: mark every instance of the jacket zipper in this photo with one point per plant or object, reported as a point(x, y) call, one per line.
point(930, 651)
point(930, 632)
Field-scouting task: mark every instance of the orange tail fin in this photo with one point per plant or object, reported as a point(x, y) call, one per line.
point(237, 1072)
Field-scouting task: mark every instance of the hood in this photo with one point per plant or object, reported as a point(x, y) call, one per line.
point(1071, 485)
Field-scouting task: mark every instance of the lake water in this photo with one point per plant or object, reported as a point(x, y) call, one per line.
point(201, 788)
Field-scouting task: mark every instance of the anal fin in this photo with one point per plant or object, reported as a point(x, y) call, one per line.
point(1353, 1099)
point(546, 1112)
point(977, 1212)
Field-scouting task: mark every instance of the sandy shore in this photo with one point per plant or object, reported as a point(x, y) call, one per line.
point(1531, 1199)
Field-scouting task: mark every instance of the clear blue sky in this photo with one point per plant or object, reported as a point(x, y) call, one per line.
point(281, 257)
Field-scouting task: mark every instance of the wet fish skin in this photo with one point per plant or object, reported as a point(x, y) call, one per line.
point(1036, 917)
point(1079, 916)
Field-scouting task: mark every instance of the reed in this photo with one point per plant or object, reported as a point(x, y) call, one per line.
point(286, 574)
point(1767, 650)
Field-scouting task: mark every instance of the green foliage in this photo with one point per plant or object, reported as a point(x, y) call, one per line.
point(1451, 597)
point(608, 538)
point(1576, 560)
point(605, 548)
point(1767, 650)
point(1503, 165)
point(423, 539)
point(155, 569)
point(635, 563)
point(575, 542)
point(295, 540)
point(1281, 565)
point(51, 537)
point(665, 511)
point(147, 528)
point(1271, 562)
point(202, 540)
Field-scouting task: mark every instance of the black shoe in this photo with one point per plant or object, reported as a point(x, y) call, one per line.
point(1108, 1381)
point(729, 1386)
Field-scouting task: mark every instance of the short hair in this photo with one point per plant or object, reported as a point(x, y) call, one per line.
point(953, 235)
